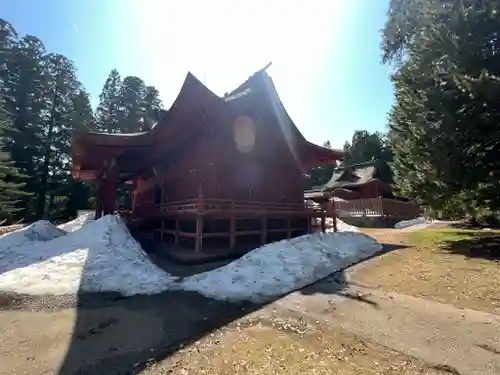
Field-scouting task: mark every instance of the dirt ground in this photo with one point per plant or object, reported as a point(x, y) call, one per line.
point(187, 334)
point(447, 265)
point(269, 343)
point(327, 328)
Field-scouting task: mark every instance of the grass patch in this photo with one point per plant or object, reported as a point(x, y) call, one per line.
point(471, 243)
point(448, 265)
point(276, 346)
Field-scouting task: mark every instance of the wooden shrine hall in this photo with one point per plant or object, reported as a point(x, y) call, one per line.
point(363, 192)
point(213, 170)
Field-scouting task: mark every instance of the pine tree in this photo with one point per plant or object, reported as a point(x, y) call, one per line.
point(11, 181)
point(107, 115)
point(126, 106)
point(444, 126)
point(137, 101)
point(45, 102)
point(24, 93)
point(366, 147)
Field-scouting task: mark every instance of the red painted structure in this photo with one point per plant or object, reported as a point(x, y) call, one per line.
point(363, 193)
point(209, 158)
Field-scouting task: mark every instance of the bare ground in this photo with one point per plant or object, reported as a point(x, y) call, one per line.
point(185, 334)
point(328, 328)
point(447, 265)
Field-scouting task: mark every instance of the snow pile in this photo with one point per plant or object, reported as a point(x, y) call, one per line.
point(82, 219)
point(341, 225)
point(281, 267)
point(102, 256)
point(344, 227)
point(411, 223)
point(39, 231)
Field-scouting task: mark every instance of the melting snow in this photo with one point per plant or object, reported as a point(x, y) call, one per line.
point(101, 256)
point(281, 267)
point(40, 231)
point(420, 221)
point(82, 219)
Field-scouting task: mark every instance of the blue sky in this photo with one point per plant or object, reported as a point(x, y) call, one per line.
point(325, 54)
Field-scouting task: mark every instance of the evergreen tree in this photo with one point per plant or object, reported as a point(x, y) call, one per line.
point(137, 101)
point(45, 102)
point(126, 106)
point(444, 126)
point(107, 114)
point(11, 181)
point(24, 89)
point(366, 147)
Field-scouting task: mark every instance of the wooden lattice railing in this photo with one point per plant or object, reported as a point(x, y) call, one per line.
point(213, 206)
point(378, 207)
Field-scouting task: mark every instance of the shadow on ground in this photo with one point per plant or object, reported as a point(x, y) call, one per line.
point(114, 335)
point(122, 336)
point(338, 284)
point(480, 244)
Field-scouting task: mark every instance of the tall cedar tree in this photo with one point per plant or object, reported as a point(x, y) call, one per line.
point(109, 104)
point(444, 126)
point(365, 147)
point(126, 106)
point(11, 181)
point(45, 102)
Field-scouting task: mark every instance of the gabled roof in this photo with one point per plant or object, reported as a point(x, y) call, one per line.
point(194, 98)
point(351, 176)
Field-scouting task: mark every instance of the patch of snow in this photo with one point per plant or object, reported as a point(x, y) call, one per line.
point(83, 218)
point(341, 225)
point(281, 267)
point(39, 231)
point(421, 221)
point(101, 256)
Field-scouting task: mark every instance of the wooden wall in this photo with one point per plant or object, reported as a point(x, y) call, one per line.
point(265, 172)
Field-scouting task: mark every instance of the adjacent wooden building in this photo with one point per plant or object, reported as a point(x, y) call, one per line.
point(212, 169)
point(362, 192)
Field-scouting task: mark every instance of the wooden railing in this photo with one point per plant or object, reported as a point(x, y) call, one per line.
point(214, 206)
point(234, 206)
point(357, 207)
point(377, 207)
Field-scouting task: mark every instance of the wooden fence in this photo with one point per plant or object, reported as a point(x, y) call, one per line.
point(378, 207)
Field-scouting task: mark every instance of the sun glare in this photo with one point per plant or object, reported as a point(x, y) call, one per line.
point(223, 42)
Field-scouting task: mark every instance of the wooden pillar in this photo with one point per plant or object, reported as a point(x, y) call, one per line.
point(162, 229)
point(199, 233)
point(288, 228)
point(323, 227)
point(334, 215)
point(232, 229)
point(199, 219)
point(176, 231)
point(99, 202)
point(111, 178)
point(104, 198)
point(263, 234)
